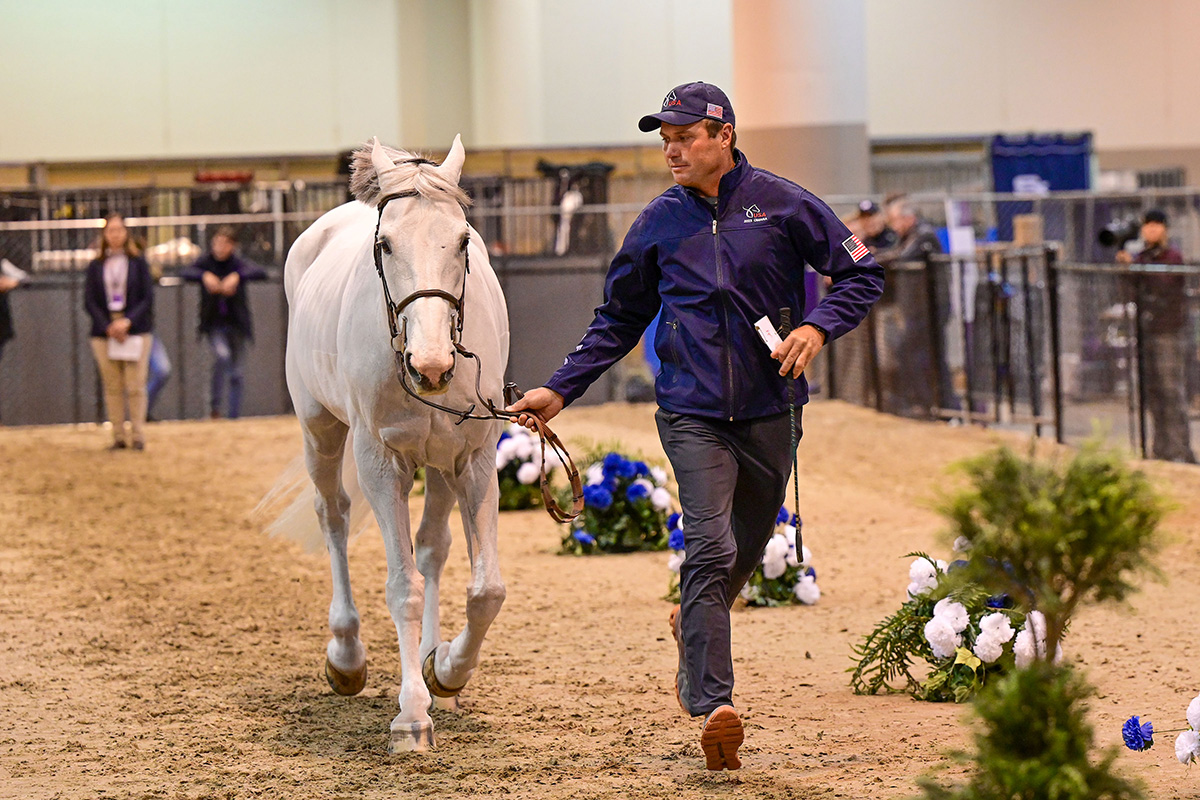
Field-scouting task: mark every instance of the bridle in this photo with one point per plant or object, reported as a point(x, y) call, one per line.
point(398, 327)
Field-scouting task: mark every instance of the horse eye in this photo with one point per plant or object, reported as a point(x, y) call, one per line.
point(462, 245)
point(385, 247)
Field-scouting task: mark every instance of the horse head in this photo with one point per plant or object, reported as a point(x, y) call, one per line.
point(421, 252)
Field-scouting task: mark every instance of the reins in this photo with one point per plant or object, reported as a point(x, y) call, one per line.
point(398, 327)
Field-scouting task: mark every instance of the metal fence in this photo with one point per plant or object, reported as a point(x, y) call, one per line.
point(976, 343)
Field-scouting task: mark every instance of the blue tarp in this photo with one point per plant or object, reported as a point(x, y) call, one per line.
point(1036, 164)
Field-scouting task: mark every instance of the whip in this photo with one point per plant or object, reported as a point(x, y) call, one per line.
point(785, 328)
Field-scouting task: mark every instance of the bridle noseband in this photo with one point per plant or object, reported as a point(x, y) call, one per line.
point(398, 327)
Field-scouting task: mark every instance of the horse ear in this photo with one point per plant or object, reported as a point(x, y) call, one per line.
point(451, 168)
point(380, 159)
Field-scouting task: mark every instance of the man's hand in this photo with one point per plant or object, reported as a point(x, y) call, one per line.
point(230, 283)
point(1123, 257)
point(212, 283)
point(7, 284)
point(798, 350)
point(541, 402)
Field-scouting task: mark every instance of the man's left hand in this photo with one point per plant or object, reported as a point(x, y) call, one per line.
point(798, 350)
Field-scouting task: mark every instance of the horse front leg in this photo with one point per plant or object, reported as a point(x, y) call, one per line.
point(386, 487)
point(478, 496)
point(345, 656)
point(432, 549)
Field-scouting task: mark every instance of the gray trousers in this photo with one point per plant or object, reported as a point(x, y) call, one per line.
point(1166, 396)
point(732, 479)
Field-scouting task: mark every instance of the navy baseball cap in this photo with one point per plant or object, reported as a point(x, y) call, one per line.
point(1155, 215)
point(689, 103)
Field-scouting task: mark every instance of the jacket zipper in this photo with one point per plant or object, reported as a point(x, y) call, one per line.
point(725, 316)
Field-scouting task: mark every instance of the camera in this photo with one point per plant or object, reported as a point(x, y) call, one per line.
point(1120, 231)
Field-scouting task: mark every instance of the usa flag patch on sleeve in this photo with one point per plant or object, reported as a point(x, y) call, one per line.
point(855, 248)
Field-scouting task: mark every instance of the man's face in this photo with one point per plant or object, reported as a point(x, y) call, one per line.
point(1154, 234)
point(873, 224)
point(899, 220)
point(697, 160)
point(222, 248)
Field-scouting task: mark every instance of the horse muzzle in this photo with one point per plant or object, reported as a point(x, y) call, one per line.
point(429, 376)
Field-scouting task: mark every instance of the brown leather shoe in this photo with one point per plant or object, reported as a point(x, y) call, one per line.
point(722, 736)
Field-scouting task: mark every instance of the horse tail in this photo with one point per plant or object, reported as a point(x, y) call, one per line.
point(288, 509)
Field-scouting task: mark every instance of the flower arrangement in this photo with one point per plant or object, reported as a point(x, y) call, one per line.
point(965, 635)
point(784, 577)
point(519, 468)
point(625, 506)
point(1139, 735)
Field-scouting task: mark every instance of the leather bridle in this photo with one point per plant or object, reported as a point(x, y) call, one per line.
point(398, 327)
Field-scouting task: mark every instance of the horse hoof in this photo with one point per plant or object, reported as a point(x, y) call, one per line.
point(432, 683)
point(411, 737)
point(345, 683)
point(445, 703)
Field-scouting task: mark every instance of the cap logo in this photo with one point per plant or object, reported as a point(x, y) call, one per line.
point(671, 100)
point(715, 111)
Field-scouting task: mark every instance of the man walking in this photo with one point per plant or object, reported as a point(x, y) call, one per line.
point(723, 248)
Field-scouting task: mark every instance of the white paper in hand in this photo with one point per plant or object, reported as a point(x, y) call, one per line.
point(768, 334)
point(11, 270)
point(128, 350)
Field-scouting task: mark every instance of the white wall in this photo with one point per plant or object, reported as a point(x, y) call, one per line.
point(1126, 69)
point(98, 79)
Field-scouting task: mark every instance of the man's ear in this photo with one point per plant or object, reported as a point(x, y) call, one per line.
point(726, 134)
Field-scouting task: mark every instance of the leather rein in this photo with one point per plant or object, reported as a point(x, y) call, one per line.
point(485, 409)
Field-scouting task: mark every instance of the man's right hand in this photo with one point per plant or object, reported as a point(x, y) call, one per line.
point(541, 402)
point(1123, 257)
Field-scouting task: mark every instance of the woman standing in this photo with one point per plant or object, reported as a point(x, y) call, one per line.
point(118, 296)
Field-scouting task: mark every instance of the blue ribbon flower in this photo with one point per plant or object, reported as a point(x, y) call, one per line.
point(999, 601)
point(782, 516)
point(673, 521)
point(612, 463)
point(503, 435)
point(584, 538)
point(675, 540)
point(636, 491)
point(1138, 735)
point(597, 497)
point(812, 572)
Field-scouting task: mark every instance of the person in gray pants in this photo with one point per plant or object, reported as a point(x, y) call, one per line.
point(716, 253)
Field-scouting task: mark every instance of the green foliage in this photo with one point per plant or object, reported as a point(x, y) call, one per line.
point(1062, 535)
point(514, 495)
point(614, 519)
point(1035, 743)
point(888, 655)
point(762, 591)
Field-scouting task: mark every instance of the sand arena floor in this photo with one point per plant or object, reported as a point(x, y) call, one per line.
point(156, 645)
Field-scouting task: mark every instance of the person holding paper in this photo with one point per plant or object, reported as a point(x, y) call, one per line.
point(118, 296)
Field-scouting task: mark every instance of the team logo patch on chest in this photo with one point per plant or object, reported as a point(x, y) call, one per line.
point(753, 214)
point(855, 248)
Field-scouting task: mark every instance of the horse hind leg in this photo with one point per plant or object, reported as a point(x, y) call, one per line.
point(345, 656)
point(432, 549)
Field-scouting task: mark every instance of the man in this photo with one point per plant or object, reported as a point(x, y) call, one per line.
point(1161, 302)
point(724, 247)
point(917, 380)
point(877, 235)
point(225, 314)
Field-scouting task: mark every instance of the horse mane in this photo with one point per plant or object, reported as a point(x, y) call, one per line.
point(425, 179)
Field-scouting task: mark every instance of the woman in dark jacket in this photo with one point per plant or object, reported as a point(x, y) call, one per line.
point(118, 296)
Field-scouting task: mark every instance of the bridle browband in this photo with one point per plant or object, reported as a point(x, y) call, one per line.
point(398, 327)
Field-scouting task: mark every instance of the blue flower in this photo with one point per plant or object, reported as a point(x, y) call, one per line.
point(812, 572)
point(673, 521)
point(612, 463)
point(782, 516)
point(796, 522)
point(1138, 735)
point(675, 541)
point(610, 483)
point(584, 538)
point(640, 469)
point(597, 497)
point(999, 601)
point(636, 491)
point(959, 564)
point(627, 469)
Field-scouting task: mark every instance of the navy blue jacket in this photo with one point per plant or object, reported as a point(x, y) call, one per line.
point(139, 297)
point(220, 311)
point(713, 277)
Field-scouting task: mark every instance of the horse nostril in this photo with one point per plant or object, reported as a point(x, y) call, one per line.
point(447, 375)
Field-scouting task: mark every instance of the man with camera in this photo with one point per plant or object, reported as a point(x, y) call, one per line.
point(1162, 309)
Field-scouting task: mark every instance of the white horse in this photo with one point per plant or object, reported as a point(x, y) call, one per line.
point(349, 347)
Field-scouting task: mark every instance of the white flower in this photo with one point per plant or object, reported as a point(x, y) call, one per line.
point(675, 560)
point(954, 613)
point(921, 570)
point(660, 498)
point(989, 648)
point(805, 556)
point(1023, 649)
point(643, 482)
point(1193, 713)
point(807, 591)
point(775, 557)
point(524, 447)
point(1037, 620)
point(501, 460)
point(997, 626)
point(528, 473)
point(659, 475)
point(508, 447)
point(962, 544)
point(1187, 747)
point(552, 458)
point(594, 474)
point(942, 638)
